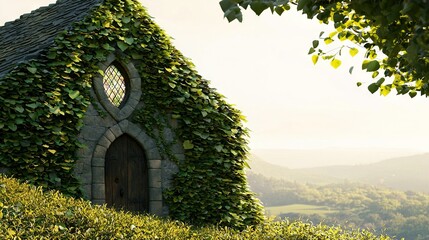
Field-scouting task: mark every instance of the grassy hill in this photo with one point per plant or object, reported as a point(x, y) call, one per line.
point(404, 173)
point(27, 212)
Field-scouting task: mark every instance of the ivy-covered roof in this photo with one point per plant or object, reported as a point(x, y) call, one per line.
point(26, 37)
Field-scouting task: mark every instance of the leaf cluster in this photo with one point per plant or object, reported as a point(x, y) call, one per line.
point(27, 212)
point(393, 34)
point(42, 105)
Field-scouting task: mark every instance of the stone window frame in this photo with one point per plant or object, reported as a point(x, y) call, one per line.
point(133, 94)
point(154, 161)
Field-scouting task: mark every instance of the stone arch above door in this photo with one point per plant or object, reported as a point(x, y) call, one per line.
point(154, 164)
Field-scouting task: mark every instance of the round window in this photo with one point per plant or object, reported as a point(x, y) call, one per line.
point(116, 84)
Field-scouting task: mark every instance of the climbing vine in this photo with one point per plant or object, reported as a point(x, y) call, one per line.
point(41, 121)
point(393, 35)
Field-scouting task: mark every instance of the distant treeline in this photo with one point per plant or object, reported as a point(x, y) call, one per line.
point(396, 213)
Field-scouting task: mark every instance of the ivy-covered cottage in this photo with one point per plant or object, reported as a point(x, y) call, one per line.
point(96, 102)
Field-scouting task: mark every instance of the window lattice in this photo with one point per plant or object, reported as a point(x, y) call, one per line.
point(114, 85)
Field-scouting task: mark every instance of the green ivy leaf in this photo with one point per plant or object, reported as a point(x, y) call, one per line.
point(19, 109)
point(51, 55)
point(129, 41)
point(258, 7)
point(12, 126)
point(335, 63)
point(106, 24)
point(412, 94)
point(328, 41)
point(172, 85)
point(373, 87)
point(126, 19)
point(32, 105)
point(87, 57)
point(181, 99)
point(108, 47)
point(233, 13)
point(53, 151)
point(385, 90)
point(33, 70)
point(371, 66)
point(74, 94)
point(56, 110)
point(187, 144)
point(136, 56)
point(226, 4)
point(279, 10)
point(353, 51)
point(314, 58)
point(301, 4)
point(202, 135)
point(219, 148)
point(122, 46)
point(380, 81)
point(315, 43)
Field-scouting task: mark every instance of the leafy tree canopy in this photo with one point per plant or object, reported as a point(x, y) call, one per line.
point(393, 34)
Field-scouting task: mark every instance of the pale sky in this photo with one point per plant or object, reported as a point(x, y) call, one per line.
point(262, 66)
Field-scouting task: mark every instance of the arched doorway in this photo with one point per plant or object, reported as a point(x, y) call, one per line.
point(126, 175)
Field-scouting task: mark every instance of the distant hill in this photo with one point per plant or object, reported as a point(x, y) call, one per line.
point(257, 165)
point(403, 173)
point(305, 158)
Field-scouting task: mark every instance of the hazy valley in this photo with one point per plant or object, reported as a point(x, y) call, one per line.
point(389, 196)
point(402, 173)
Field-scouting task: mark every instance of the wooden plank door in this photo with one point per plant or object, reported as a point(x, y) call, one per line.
point(126, 176)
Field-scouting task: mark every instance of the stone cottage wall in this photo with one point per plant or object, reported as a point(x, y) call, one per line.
point(99, 132)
